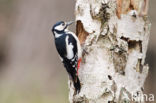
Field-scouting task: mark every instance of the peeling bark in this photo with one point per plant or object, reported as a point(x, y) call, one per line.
point(115, 35)
point(80, 32)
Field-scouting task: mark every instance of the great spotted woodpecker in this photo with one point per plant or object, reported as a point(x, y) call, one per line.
point(69, 50)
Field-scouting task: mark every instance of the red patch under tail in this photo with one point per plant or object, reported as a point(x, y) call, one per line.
point(78, 65)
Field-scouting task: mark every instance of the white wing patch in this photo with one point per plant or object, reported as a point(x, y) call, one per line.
point(69, 47)
point(78, 43)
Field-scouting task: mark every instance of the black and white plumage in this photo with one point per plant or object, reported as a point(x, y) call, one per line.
point(68, 47)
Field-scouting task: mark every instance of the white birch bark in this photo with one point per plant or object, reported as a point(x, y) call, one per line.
point(115, 35)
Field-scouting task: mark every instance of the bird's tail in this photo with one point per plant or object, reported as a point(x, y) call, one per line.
point(77, 84)
point(73, 76)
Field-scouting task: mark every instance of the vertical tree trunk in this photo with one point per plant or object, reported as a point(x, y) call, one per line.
point(115, 35)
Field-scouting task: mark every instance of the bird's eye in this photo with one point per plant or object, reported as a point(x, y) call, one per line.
point(63, 24)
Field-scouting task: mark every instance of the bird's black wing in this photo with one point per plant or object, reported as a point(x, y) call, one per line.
point(61, 46)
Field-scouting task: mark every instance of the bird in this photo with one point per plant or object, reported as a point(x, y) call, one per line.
point(69, 49)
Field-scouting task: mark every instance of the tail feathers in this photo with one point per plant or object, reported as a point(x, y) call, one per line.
point(77, 84)
point(73, 75)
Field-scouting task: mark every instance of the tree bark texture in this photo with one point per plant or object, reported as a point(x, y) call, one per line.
point(115, 35)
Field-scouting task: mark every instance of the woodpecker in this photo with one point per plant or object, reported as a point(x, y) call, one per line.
point(69, 50)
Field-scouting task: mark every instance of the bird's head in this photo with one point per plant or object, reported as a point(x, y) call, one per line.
point(61, 27)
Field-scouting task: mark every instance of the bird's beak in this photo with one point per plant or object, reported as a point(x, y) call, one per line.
point(70, 22)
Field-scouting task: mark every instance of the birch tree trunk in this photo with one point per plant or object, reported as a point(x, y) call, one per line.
point(115, 35)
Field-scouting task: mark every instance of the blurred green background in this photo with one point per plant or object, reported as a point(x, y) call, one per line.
point(30, 69)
